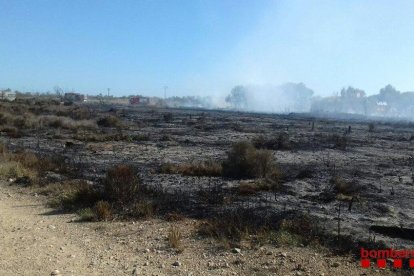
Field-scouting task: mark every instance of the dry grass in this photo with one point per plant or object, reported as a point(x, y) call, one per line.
point(15, 170)
point(143, 209)
point(234, 225)
point(174, 216)
point(174, 238)
point(102, 210)
point(247, 188)
point(72, 195)
point(340, 186)
point(206, 168)
point(34, 119)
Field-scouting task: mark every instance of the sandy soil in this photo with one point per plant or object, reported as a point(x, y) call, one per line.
point(36, 241)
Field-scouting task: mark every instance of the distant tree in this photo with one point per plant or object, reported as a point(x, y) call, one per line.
point(238, 97)
point(58, 92)
point(389, 94)
point(296, 96)
point(351, 93)
point(353, 100)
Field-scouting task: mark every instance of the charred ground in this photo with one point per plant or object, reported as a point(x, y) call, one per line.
point(294, 172)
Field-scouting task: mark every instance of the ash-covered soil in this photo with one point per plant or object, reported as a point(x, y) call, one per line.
point(370, 162)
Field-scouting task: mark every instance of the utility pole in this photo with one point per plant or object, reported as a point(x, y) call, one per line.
point(109, 89)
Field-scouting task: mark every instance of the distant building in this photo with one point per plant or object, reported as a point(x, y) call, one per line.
point(7, 95)
point(73, 97)
point(138, 100)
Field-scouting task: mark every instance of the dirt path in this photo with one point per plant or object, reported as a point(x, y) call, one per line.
point(34, 241)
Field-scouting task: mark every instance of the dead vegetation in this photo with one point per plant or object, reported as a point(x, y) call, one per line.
point(174, 238)
point(280, 142)
point(244, 161)
point(122, 184)
point(205, 168)
point(250, 169)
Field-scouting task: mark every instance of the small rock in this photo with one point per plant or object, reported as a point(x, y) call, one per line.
point(298, 273)
point(176, 263)
point(236, 250)
point(146, 264)
point(283, 254)
point(50, 226)
point(147, 250)
point(135, 271)
point(55, 272)
point(335, 264)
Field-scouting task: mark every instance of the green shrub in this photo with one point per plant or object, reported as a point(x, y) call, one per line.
point(77, 196)
point(86, 214)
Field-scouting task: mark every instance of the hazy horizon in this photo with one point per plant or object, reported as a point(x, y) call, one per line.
point(205, 47)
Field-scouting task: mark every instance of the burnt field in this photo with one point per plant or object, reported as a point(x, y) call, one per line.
point(348, 178)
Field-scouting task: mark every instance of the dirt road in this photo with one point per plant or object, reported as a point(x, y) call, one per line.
point(34, 241)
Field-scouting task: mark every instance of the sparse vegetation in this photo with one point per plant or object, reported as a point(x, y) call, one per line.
point(339, 142)
point(108, 121)
point(340, 186)
point(206, 168)
point(102, 210)
point(143, 209)
point(281, 142)
point(248, 175)
point(121, 185)
point(174, 238)
point(245, 161)
point(75, 195)
point(371, 127)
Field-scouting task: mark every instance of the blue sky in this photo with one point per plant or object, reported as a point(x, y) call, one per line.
point(205, 47)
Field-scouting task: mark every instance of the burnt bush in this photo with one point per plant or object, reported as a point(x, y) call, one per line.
point(281, 142)
point(205, 168)
point(121, 185)
point(168, 117)
point(340, 186)
point(233, 225)
point(339, 142)
point(371, 127)
point(245, 161)
point(13, 132)
point(108, 121)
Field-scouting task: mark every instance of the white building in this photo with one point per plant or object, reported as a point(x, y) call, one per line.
point(7, 95)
